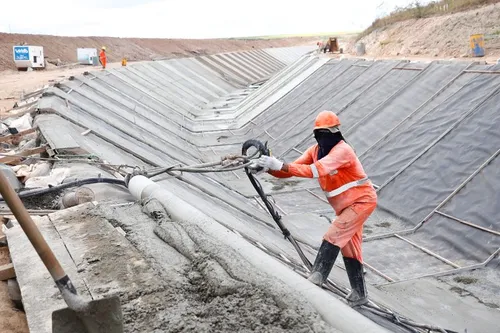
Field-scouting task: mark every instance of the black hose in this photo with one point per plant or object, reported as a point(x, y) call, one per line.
point(277, 218)
point(76, 183)
point(262, 148)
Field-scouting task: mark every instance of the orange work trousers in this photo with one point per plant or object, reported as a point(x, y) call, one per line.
point(346, 231)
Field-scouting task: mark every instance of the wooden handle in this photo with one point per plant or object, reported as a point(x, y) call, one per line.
point(30, 229)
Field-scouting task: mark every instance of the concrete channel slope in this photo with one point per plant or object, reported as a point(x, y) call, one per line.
point(427, 134)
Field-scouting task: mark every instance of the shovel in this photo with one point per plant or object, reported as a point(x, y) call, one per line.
point(97, 316)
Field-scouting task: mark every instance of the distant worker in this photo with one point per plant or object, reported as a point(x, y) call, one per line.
point(349, 192)
point(124, 61)
point(102, 57)
point(320, 46)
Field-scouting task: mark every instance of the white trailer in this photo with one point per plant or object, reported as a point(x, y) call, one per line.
point(87, 56)
point(26, 56)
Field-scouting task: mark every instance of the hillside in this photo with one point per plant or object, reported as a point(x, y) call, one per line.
point(64, 48)
point(437, 36)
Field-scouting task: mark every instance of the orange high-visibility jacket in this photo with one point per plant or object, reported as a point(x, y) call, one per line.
point(339, 167)
point(102, 57)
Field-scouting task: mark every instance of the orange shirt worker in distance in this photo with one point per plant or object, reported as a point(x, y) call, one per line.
point(349, 192)
point(102, 57)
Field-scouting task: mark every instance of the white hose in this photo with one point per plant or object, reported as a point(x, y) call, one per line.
point(338, 314)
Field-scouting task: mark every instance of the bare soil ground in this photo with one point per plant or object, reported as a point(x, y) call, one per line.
point(11, 319)
point(14, 83)
point(64, 48)
point(440, 36)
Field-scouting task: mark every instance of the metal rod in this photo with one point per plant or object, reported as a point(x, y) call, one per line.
point(462, 185)
point(376, 271)
point(408, 69)
point(468, 223)
point(388, 99)
point(448, 130)
point(281, 209)
point(297, 151)
point(439, 92)
point(317, 196)
point(315, 95)
point(435, 255)
point(368, 88)
point(285, 258)
point(260, 203)
point(452, 271)
point(265, 131)
point(389, 234)
point(441, 204)
point(482, 72)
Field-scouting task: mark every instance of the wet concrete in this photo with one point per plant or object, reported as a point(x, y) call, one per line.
point(208, 287)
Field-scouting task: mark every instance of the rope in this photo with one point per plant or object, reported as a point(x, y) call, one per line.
point(226, 164)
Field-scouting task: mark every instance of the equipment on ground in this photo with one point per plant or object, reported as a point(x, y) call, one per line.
point(97, 316)
point(87, 56)
point(332, 45)
point(26, 56)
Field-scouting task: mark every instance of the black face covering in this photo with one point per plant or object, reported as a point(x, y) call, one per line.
point(326, 141)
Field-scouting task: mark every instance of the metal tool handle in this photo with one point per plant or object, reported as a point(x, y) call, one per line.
point(35, 236)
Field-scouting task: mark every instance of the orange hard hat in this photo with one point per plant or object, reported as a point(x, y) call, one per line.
point(326, 119)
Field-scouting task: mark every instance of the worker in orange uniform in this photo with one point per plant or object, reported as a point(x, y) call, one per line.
point(102, 57)
point(349, 192)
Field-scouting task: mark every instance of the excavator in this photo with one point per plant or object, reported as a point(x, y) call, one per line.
point(332, 45)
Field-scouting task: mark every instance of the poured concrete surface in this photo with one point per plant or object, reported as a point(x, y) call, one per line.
point(201, 285)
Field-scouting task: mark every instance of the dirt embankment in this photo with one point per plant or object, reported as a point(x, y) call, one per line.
point(64, 48)
point(440, 36)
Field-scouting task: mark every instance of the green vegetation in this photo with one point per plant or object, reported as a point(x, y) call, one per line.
point(416, 11)
point(319, 35)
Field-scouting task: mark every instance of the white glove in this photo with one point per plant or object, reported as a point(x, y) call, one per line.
point(270, 162)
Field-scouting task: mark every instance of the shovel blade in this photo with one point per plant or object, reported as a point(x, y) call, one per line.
point(101, 316)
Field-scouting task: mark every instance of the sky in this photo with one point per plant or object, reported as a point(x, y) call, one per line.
point(190, 18)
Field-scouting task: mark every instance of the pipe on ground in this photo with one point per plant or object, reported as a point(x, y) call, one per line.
point(334, 312)
point(80, 195)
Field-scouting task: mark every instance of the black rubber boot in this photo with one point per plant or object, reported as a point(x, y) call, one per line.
point(324, 263)
point(358, 295)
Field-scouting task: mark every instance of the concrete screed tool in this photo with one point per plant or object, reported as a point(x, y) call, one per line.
point(97, 316)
